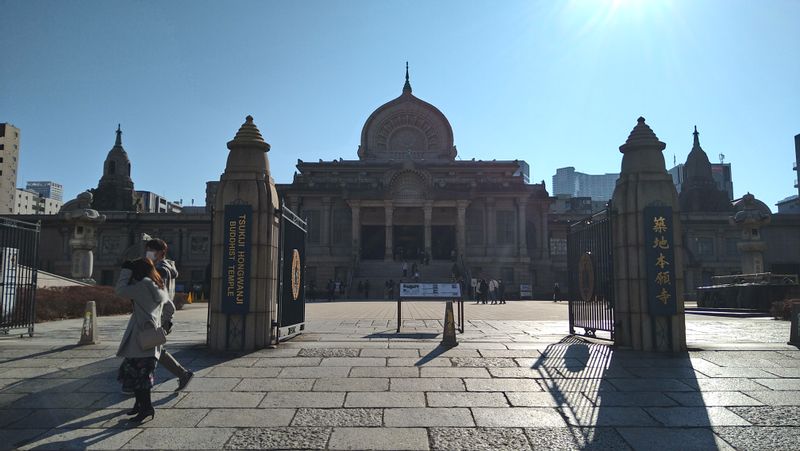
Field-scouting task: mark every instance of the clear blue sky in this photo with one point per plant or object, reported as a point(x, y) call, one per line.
point(556, 83)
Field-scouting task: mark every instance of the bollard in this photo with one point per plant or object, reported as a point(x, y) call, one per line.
point(89, 329)
point(794, 334)
point(449, 335)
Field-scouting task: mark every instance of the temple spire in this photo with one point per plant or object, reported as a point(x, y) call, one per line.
point(118, 142)
point(696, 138)
point(407, 86)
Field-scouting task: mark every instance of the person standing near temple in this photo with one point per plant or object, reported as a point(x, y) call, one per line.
point(556, 292)
point(156, 251)
point(493, 291)
point(404, 267)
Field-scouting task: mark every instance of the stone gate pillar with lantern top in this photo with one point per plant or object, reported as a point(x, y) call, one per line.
point(647, 249)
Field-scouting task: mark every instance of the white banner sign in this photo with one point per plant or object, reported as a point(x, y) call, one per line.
point(430, 290)
point(525, 291)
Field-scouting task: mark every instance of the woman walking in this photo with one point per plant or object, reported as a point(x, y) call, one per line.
point(140, 282)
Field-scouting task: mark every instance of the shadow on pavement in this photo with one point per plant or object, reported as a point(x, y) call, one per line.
point(613, 399)
point(83, 403)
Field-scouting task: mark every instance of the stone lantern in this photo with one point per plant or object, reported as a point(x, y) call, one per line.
point(84, 221)
point(751, 214)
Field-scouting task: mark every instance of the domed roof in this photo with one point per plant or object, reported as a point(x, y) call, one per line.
point(407, 127)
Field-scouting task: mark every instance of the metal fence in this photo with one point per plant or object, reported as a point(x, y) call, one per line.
point(19, 260)
point(591, 276)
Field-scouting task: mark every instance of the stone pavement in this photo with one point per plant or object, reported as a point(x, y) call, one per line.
point(351, 383)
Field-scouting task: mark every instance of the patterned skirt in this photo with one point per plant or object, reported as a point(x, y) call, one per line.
point(137, 373)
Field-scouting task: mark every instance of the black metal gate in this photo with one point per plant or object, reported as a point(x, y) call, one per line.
point(292, 274)
point(19, 260)
point(591, 278)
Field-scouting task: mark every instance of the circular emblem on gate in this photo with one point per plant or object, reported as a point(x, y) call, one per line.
point(295, 274)
point(586, 277)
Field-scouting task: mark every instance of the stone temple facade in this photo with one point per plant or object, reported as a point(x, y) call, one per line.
point(407, 195)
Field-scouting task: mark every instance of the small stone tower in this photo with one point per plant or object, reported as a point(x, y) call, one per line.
point(115, 190)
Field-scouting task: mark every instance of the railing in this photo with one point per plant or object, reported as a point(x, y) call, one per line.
point(19, 260)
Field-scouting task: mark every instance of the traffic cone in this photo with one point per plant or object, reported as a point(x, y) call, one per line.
point(449, 335)
point(89, 329)
point(189, 298)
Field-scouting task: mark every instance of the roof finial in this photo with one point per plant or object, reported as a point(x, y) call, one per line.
point(407, 86)
point(118, 142)
point(696, 138)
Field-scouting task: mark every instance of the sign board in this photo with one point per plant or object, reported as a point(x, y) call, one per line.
point(237, 226)
point(660, 261)
point(292, 296)
point(525, 291)
point(430, 290)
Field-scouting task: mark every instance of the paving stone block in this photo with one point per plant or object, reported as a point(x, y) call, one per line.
point(454, 372)
point(201, 384)
point(240, 418)
point(267, 384)
point(466, 399)
point(181, 438)
point(125, 401)
point(428, 417)
point(314, 372)
point(405, 361)
point(713, 399)
point(385, 399)
point(379, 439)
point(628, 385)
point(16, 438)
point(329, 352)
point(695, 416)
point(517, 417)
point(545, 399)
point(407, 353)
point(288, 361)
point(80, 439)
point(527, 373)
point(352, 384)
point(382, 371)
point(769, 415)
point(511, 353)
point(674, 439)
point(631, 399)
point(722, 384)
point(485, 362)
point(776, 398)
point(478, 439)
point(241, 372)
point(758, 438)
point(53, 418)
point(577, 385)
point(575, 438)
point(58, 400)
point(507, 385)
point(164, 418)
point(587, 415)
point(219, 399)
point(339, 417)
point(303, 399)
point(427, 384)
point(777, 384)
point(353, 361)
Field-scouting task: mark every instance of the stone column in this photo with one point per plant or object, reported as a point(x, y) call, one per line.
point(644, 182)
point(246, 185)
point(427, 209)
point(389, 213)
point(355, 213)
point(521, 217)
point(325, 229)
point(491, 224)
point(461, 227)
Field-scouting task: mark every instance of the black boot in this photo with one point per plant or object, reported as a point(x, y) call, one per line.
point(145, 406)
point(135, 410)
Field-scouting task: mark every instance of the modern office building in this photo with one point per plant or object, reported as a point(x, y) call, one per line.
point(599, 187)
point(47, 189)
point(30, 202)
point(9, 159)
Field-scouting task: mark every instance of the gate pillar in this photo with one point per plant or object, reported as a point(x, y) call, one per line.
point(647, 249)
point(244, 288)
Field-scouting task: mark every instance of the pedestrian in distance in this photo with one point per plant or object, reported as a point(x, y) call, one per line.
point(331, 290)
point(140, 282)
point(556, 292)
point(493, 291)
point(484, 287)
point(501, 291)
point(366, 289)
point(156, 251)
point(404, 267)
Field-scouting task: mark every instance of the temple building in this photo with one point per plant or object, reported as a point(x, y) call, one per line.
point(115, 190)
point(407, 196)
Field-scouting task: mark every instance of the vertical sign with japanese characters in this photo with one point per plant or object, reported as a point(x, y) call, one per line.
point(236, 259)
point(660, 261)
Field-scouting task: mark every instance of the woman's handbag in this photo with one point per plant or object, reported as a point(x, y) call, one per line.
point(152, 336)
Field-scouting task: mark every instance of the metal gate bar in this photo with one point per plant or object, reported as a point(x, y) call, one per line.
point(591, 303)
point(19, 260)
